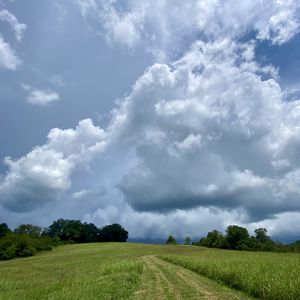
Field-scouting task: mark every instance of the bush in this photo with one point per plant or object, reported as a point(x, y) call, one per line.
point(7, 252)
point(26, 251)
point(21, 245)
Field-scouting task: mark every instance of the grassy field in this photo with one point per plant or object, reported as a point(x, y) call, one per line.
point(135, 271)
point(266, 275)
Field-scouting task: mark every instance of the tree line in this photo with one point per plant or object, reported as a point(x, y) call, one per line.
point(238, 238)
point(27, 239)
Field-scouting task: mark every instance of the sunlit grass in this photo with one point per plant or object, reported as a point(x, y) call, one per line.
point(266, 275)
point(114, 271)
point(85, 271)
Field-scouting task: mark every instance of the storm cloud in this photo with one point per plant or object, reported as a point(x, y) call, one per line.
point(206, 136)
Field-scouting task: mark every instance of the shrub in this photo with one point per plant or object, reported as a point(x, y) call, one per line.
point(22, 245)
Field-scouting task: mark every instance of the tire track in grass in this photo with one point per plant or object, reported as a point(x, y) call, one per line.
point(193, 288)
point(155, 285)
point(164, 280)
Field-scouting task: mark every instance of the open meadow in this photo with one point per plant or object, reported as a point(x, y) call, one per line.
point(169, 122)
point(140, 271)
point(261, 274)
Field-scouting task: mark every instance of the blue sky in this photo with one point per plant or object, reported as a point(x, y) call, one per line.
point(166, 117)
point(60, 52)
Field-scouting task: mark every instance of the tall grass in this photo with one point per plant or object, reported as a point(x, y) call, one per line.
point(81, 271)
point(72, 272)
point(114, 271)
point(265, 275)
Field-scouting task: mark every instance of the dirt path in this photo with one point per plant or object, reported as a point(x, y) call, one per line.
point(163, 280)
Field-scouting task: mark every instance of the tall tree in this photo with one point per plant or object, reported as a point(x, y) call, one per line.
point(89, 233)
point(113, 233)
point(29, 229)
point(4, 229)
point(66, 230)
point(171, 240)
point(215, 239)
point(237, 237)
point(187, 240)
point(261, 235)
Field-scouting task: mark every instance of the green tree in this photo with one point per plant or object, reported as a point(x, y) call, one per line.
point(56, 229)
point(113, 233)
point(171, 240)
point(187, 240)
point(66, 230)
point(295, 246)
point(89, 233)
point(202, 241)
point(4, 229)
point(237, 237)
point(215, 239)
point(29, 229)
point(73, 231)
point(261, 235)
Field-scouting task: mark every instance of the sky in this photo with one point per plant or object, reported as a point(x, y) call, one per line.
point(168, 117)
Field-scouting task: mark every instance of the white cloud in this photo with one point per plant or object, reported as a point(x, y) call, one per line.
point(166, 27)
point(125, 29)
point(19, 28)
point(282, 225)
point(40, 97)
point(202, 142)
point(87, 193)
point(86, 6)
point(282, 24)
point(206, 131)
point(8, 58)
point(220, 125)
point(81, 142)
point(180, 223)
point(41, 176)
point(35, 179)
point(205, 134)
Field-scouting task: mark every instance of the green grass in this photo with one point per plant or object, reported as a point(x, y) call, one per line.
point(125, 271)
point(265, 275)
point(83, 271)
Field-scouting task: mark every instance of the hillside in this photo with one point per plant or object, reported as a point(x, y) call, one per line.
point(140, 271)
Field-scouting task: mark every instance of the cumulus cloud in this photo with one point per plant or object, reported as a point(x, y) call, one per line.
point(204, 141)
point(19, 28)
point(180, 223)
point(40, 97)
point(8, 57)
point(165, 26)
point(35, 179)
point(121, 27)
point(209, 131)
point(204, 132)
point(282, 225)
point(41, 176)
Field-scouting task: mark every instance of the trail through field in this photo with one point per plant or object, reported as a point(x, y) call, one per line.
point(164, 280)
